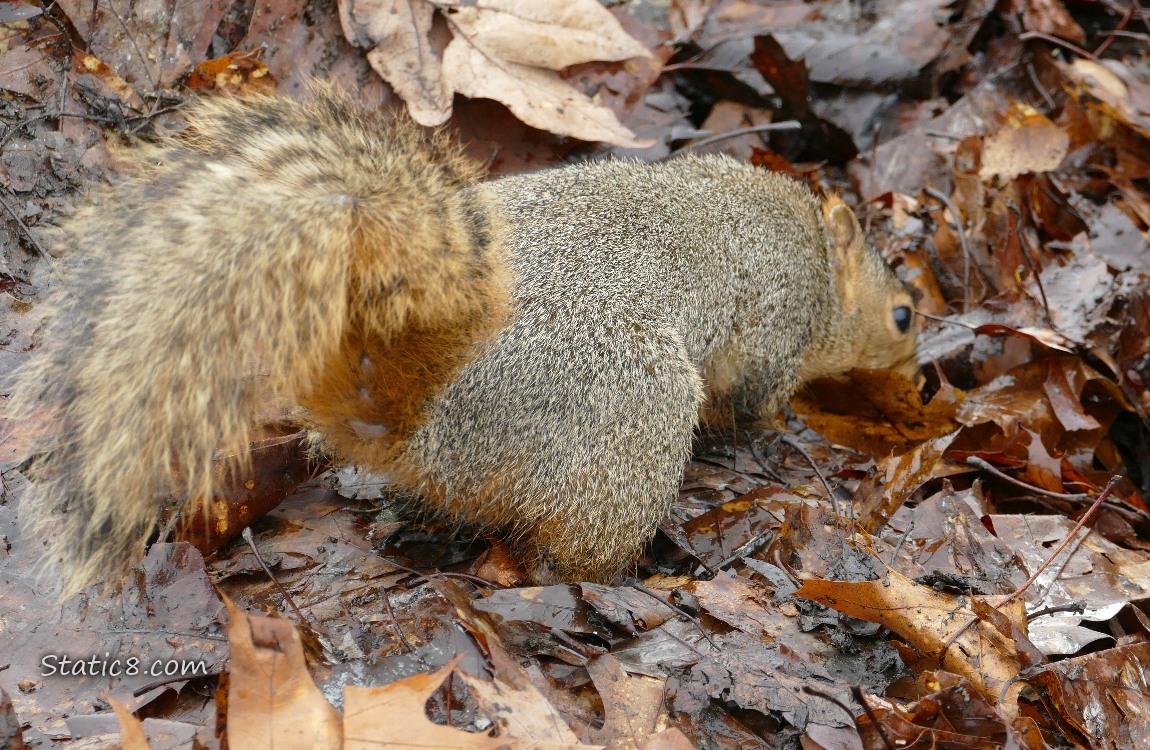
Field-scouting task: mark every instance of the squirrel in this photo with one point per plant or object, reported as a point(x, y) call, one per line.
point(530, 356)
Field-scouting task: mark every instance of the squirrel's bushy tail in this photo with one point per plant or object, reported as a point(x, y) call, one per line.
point(236, 258)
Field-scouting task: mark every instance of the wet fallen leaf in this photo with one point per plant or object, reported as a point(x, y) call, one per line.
point(951, 715)
point(898, 477)
point(1092, 572)
point(876, 411)
point(944, 629)
point(1102, 696)
point(632, 704)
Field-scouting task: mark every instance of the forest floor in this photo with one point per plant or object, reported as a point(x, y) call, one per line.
point(962, 565)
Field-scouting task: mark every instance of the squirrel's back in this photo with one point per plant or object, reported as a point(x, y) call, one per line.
point(641, 292)
point(529, 355)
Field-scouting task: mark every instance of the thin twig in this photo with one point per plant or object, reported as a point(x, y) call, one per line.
point(28, 234)
point(419, 577)
point(1029, 260)
point(1077, 607)
point(1050, 103)
point(395, 622)
point(769, 127)
point(1025, 36)
point(1121, 508)
point(678, 611)
point(987, 466)
point(755, 543)
point(1086, 518)
point(1144, 38)
point(857, 694)
point(831, 699)
point(941, 319)
point(132, 41)
point(789, 440)
point(1117, 29)
point(247, 535)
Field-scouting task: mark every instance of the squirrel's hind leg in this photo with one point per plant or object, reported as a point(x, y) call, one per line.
point(569, 439)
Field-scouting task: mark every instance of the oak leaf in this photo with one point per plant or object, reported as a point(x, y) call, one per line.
point(272, 700)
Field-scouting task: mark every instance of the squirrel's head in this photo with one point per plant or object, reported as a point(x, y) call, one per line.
point(875, 325)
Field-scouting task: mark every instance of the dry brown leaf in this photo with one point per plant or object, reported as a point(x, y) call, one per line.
point(272, 701)
point(930, 621)
point(505, 50)
point(536, 96)
point(132, 735)
point(551, 34)
point(396, 34)
point(1027, 142)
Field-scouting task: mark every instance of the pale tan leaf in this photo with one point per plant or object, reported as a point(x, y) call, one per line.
point(1027, 142)
point(393, 716)
point(521, 712)
point(544, 33)
point(131, 730)
point(632, 704)
point(536, 96)
point(396, 34)
point(272, 701)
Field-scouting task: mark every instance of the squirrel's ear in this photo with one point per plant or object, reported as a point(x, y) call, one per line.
point(842, 223)
point(845, 235)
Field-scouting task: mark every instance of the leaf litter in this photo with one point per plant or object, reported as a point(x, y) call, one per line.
point(857, 582)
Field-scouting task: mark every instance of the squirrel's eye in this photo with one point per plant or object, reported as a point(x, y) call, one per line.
point(902, 315)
